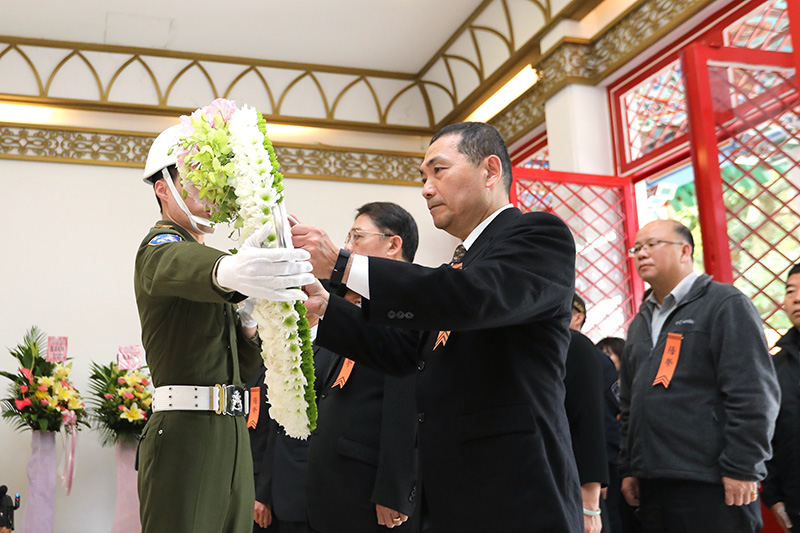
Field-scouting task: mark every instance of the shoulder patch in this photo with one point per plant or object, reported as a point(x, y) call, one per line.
point(164, 238)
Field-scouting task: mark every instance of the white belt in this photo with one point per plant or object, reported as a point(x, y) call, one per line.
point(222, 399)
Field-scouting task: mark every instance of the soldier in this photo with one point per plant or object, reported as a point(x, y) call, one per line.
point(195, 469)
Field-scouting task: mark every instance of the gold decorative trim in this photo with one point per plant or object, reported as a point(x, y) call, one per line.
point(86, 146)
point(589, 62)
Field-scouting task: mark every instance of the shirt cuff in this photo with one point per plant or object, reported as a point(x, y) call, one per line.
point(358, 279)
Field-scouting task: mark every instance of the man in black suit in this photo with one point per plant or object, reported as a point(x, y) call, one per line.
point(280, 464)
point(487, 341)
point(362, 456)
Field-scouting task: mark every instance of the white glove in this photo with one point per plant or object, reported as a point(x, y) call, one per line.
point(259, 236)
point(266, 273)
point(246, 313)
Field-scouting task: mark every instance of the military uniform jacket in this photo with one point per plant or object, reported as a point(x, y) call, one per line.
point(195, 469)
point(493, 440)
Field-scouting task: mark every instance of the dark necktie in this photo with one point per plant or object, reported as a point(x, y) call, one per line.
point(458, 255)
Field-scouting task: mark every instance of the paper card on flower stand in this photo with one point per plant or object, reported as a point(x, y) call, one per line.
point(56, 349)
point(129, 357)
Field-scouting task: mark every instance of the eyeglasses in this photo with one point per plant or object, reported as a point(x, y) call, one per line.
point(648, 245)
point(355, 234)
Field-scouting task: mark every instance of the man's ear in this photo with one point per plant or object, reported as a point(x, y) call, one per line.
point(395, 247)
point(161, 190)
point(494, 170)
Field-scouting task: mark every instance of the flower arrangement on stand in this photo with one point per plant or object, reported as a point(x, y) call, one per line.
point(119, 401)
point(227, 160)
point(41, 396)
point(42, 399)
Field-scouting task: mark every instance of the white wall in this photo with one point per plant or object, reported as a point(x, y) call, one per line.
point(70, 234)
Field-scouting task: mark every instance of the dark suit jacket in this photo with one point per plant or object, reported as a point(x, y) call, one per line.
point(280, 463)
point(363, 451)
point(585, 409)
point(493, 440)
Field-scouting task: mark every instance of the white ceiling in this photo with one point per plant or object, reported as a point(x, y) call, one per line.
point(391, 35)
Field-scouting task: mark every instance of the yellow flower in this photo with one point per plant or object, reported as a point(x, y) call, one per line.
point(41, 394)
point(146, 402)
point(45, 381)
point(75, 403)
point(62, 393)
point(61, 371)
point(132, 413)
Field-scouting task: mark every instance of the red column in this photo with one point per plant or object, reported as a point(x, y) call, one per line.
point(793, 10)
point(705, 159)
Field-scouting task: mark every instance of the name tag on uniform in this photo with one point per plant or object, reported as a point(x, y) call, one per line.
point(669, 360)
point(164, 238)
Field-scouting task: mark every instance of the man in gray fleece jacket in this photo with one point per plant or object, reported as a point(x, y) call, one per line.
point(698, 395)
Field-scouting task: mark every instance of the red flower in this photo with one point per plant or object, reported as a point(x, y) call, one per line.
point(27, 373)
point(108, 396)
point(23, 388)
point(22, 404)
point(121, 407)
point(121, 381)
point(45, 402)
point(145, 382)
point(42, 388)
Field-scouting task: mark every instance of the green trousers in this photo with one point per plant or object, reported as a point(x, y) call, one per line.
point(195, 474)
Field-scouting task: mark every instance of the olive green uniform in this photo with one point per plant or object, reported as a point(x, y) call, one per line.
point(195, 467)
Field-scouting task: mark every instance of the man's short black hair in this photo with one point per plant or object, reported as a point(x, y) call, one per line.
point(478, 141)
point(792, 271)
point(393, 219)
point(173, 171)
point(684, 233)
point(579, 306)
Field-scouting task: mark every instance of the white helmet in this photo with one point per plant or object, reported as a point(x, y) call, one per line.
point(162, 152)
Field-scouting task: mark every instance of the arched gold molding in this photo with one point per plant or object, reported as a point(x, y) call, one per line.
point(30, 64)
point(121, 69)
point(66, 60)
point(183, 71)
point(263, 82)
point(86, 146)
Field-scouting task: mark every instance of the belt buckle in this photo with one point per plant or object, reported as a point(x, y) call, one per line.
point(234, 400)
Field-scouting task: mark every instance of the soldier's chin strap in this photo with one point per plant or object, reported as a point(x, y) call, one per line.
point(194, 220)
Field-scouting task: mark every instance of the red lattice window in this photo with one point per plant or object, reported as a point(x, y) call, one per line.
point(655, 112)
point(595, 214)
point(765, 28)
point(757, 114)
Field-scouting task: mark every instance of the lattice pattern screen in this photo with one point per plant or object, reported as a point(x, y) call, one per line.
point(595, 216)
point(758, 115)
point(765, 28)
point(655, 111)
point(538, 160)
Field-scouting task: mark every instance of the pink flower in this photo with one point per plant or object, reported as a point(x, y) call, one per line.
point(23, 388)
point(128, 395)
point(221, 108)
point(45, 402)
point(65, 384)
point(121, 381)
point(27, 373)
point(138, 388)
point(42, 388)
point(22, 404)
point(108, 396)
point(145, 382)
point(121, 407)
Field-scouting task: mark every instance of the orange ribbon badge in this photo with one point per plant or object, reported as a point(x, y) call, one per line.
point(669, 359)
point(344, 373)
point(255, 407)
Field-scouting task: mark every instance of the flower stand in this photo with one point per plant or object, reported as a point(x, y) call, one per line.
point(126, 512)
point(41, 500)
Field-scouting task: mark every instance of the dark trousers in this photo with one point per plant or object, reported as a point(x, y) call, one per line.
point(682, 506)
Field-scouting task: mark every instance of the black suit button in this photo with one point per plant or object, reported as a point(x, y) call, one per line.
point(323, 396)
point(409, 315)
point(421, 418)
point(391, 314)
point(421, 366)
point(413, 495)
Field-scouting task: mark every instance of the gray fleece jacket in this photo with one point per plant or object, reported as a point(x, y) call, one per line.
point(718, 414)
